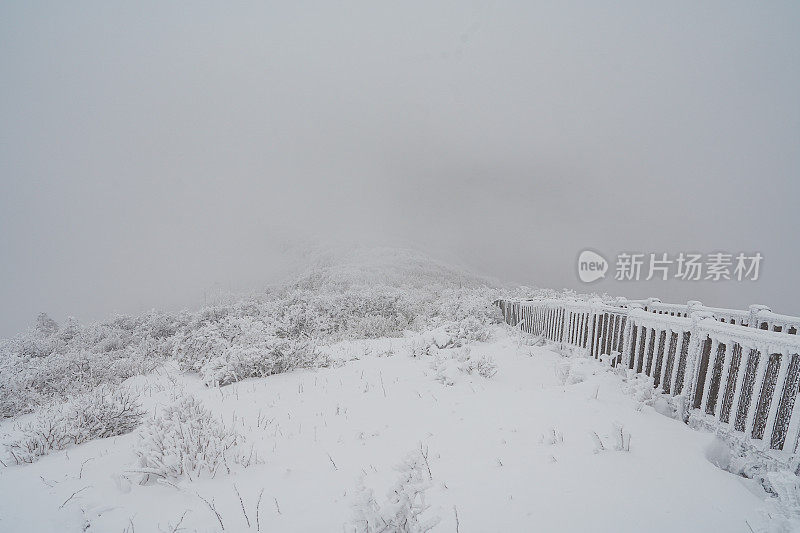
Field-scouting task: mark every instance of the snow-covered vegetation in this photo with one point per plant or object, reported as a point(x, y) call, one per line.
point(97, 414)
point(272, 332)
point(47, 364)
point(55, 371)
point(186, 439)
point(405, 509)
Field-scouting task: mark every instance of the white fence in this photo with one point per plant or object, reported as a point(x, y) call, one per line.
point(737, 371)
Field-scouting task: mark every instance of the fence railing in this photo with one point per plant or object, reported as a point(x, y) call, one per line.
point(757, 316)
point(736, 371)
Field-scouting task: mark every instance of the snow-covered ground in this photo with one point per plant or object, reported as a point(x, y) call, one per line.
point(548, 443)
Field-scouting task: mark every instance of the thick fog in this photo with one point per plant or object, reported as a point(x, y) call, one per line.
point(152, 152)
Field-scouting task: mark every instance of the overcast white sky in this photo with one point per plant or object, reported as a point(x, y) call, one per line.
point(150, 150)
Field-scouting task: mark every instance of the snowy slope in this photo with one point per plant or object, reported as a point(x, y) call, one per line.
point(515, 452)
point(374, 391)
point(398, 267)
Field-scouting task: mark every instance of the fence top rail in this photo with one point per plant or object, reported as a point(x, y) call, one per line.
point(640, 317)
point(579, 306)
point(624, 302)
point(721, 311)
point(667, 306)
point(721, 331)
point(775, 318)
point(555, 302)
point(757, 313)
point(750, 337)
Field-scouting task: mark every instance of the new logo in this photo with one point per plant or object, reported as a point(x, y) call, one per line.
point(591, 266)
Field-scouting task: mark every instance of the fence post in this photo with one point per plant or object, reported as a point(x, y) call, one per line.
point(651, 301)
point(693, 359)
point(626, 342)
point(566, 320)
point(755, 310)
point(594, 309)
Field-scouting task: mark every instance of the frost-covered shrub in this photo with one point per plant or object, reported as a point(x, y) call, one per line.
point(423, 347)
point(357, 312)
point(26, 383)
point(98, 414)
point(193, 348)
point(469, 302)
point(52, 362)
point(376, 326)
point(236, 348)
point(35, 346)
point(187, 440)
point(449, 363)
point(271, 356)
point(405, 509)
point(468, 330)
point(485, 366)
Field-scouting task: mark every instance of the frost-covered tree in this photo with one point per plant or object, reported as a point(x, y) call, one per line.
point(45, 326)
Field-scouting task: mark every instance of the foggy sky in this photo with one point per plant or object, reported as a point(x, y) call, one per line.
point(152, 151)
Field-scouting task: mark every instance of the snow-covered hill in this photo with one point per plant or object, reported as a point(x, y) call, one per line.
point(346, 267)
point(376, 390)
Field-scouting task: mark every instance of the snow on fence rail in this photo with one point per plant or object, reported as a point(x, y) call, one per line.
point(758, 316)
point(737, 372)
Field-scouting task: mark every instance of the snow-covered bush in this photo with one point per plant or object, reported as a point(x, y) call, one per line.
point(485, 366)
point(272, 356)
point(193, 348)
point(469, 303)
point(98, 414)
point(357, 312)
point(241, 347)
point(449, 363)
point(188, 440)
point(27, 383)
point(423, 347)
point(468, 330)
point(52, 362)
point(405, 509)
